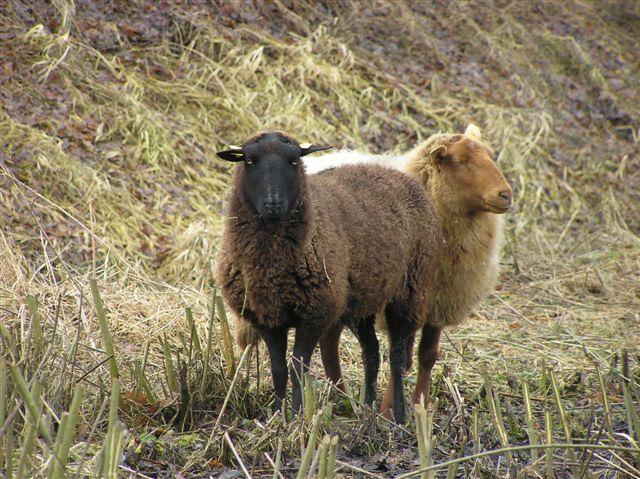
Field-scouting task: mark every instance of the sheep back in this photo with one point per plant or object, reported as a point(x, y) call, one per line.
point(357, 241)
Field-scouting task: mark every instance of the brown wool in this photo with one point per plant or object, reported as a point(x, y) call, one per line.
point(355, 241)
point(330, 256)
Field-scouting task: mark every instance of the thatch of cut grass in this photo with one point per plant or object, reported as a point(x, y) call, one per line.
point(111, 116)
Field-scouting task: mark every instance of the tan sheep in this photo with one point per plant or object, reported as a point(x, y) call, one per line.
point(470, 193)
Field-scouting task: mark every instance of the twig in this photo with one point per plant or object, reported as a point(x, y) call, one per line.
point(527, 447)
point(226, 399)
point(236, 455)
point(633, 469)
point(273, 464)
point(616, 466)
point(357, 469)
point(135, 472)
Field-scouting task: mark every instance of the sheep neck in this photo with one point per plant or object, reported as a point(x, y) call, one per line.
point(470, 262)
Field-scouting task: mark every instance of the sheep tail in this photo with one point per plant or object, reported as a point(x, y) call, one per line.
point(245, 332)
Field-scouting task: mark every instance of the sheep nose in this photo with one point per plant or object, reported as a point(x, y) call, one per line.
point(273, 206)
point(505, 195)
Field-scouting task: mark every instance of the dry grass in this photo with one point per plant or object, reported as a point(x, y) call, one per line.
point(109, 130)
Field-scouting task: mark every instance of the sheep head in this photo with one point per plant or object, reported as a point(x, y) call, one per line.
point(272, 171)
point(469, 175)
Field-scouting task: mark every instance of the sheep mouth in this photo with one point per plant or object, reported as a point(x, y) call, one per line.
point(272, 216)
point(498, 209)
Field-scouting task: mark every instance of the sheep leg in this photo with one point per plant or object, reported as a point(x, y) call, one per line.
point(399, 335)
point(276, 342)
point(387, 400)
point(409, 351)
point(366, 334)
point(427, 356)
point(307, 337)
point(330, 352)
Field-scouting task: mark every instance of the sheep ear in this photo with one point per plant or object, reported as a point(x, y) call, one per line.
point(307, 148)
point(473, 132)
point(233, 154)
point(438, 154)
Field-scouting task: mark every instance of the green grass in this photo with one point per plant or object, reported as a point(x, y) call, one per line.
point(111, 200)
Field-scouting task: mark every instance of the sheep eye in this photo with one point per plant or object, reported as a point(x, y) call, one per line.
point(248, 161)
point(295, 161)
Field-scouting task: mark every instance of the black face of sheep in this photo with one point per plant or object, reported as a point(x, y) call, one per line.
point(272, 177)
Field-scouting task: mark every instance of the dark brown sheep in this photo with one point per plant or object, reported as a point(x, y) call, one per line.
point(316, 253)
